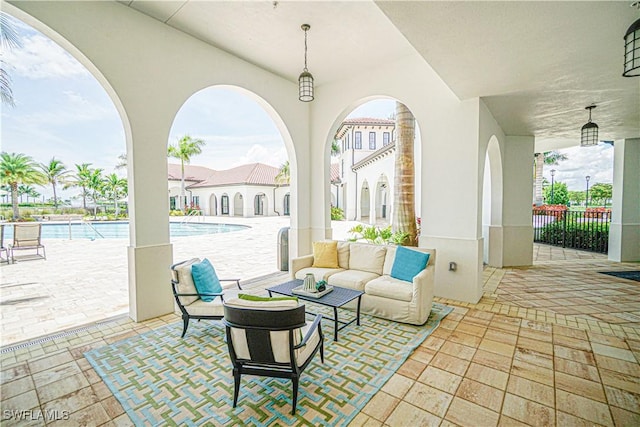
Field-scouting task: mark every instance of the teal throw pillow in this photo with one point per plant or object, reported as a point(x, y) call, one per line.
point(206, 280)
point(408, 263)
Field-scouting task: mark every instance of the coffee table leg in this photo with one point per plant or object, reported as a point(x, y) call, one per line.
point(358, 312)
point(335, 323)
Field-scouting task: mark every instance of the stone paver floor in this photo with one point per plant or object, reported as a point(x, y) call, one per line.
point(503, 361)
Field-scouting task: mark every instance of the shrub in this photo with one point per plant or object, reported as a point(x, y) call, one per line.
point(577, 235)
point(380, 236)
point(337, 214)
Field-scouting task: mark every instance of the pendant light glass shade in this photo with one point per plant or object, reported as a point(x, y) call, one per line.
point(589, 134)
point(632, 51)
point(305, 81)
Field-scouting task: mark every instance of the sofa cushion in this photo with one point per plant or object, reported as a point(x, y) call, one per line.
point(352, 279)
point(343, 254)
point(206, 279)
point(388, 287)
point(408, 263)
point(389, 258)
point(182, 274)
point(365, 257)
point(319, 273)
point(325, 254)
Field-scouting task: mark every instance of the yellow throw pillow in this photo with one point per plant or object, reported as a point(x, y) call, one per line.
point(325, 254)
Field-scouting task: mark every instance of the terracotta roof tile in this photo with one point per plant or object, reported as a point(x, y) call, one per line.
point(251, 174)
point(191, 173)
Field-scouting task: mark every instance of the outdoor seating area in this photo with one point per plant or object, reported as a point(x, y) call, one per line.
point(521, 350)
point(26, 237)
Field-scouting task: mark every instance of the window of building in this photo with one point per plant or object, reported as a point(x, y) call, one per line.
point(195, 201)
point(386, 138)
point(342, 169)
point(358, 142)
point(348, 141)
point(372, 140)
point(224, 201)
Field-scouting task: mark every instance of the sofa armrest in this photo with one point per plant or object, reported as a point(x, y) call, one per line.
point(423, 288)
point(300, 263)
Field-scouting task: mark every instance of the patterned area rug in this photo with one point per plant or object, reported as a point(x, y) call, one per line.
point(630, 275)
point(161, 379)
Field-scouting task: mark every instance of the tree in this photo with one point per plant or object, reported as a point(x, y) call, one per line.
point(576, 197)
point(541, 159)
point(186, 148)
point(54, 172)
point(601, 193)
point(284, 174)
point(114, 188)
point(15, 169)
point(81, 179)
point(560, 194)
point(122, 161)
point(404, 214)
point(8, 40)
point(94, 185)
point(335, 148)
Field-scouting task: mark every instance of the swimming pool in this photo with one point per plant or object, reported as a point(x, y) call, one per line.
point(120, 230)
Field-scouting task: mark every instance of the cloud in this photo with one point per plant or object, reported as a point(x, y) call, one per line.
point(261, 154)
point(596, 162)
point(41, 58)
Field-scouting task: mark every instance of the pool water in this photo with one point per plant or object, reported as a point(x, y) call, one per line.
point(120, 230)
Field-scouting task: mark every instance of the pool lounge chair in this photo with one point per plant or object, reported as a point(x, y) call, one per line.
point(27, 237)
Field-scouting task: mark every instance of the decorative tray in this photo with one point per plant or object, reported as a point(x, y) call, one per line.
point(300, 291)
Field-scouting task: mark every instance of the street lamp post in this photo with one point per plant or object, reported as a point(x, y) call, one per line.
point(586, 201)
point(553, 172)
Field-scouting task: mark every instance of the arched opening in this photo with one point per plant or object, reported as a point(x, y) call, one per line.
point(238, 205)
point(365, 202)
point(286, 209)
point(213, 205)
point(382, 199)
point(66, 112)
point(363, 149)
point(224, 204)
point(492, 205)
point(259, 202)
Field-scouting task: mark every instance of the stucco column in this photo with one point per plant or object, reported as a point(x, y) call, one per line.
point(149, 286)
point(517, 227)
point(624, 231)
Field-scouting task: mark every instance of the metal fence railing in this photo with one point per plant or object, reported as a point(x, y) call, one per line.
point(576, 230)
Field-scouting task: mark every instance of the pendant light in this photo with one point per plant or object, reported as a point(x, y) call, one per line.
point(589, 131)
point(305, 81)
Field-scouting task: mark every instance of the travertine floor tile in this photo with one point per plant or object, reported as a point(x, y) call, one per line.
point(380, 406)
point(408, 415)
point(528, 411)
point(585, 388)
point(531, 390)
point(584, 408)
point(465, 413)
point(450, 363)
point(398, 385)
point(481, 394)
point(440, 379)
point(428, 398)
point(489, 376)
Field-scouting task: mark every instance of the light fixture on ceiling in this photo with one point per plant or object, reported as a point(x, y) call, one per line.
point(305, 81)
point(589, 131)
point(632, 48)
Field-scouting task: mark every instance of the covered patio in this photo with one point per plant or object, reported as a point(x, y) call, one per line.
point(490, 84)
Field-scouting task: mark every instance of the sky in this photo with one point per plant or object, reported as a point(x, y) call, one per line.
point(63, 112)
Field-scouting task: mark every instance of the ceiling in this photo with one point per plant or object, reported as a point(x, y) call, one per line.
point(536, 64)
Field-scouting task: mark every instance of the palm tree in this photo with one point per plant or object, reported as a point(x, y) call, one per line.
point(54, 172)
point(284, 175)
point(184, 150)
point(94, 183)
point(80, 179)
point(335, 148)
point(8, 39)
point(404, 214)
point(541, 159)
point(115, 188)
point(122, 161)
point(15, 169)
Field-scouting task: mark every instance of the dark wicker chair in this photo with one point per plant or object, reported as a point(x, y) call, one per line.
point(255, 350)
point(188, 299)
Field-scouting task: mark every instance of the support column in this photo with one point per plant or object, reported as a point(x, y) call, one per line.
point(149, 286)
point(624, 231)
point(517, 227)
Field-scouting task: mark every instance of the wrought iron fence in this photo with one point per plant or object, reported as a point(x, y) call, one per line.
point(576, 230)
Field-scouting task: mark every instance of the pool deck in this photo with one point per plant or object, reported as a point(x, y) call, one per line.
point(84, 281)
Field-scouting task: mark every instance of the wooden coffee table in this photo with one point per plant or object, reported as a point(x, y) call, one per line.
point(336, 298)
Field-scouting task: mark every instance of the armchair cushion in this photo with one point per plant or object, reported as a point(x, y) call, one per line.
point(408, 263)
point(206, 280)
point(182, 273)
point(325, 254)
